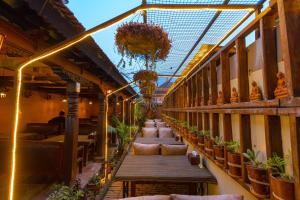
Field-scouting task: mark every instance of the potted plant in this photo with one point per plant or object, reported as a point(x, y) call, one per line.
point(282, 184)
point(185, 127)
point(209, 143)
point(64, 192)
point(219, 151)
point(201, 136)
point(234, 159)
point(94, 183)
point(123, 135)
point(193, 134)
point(257, 174)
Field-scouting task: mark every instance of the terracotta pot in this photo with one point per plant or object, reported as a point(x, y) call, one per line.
point(234, 164)
point(201, 142)
point(282, 189)
point(209, 150)
point(219, 154)
point(194, 139)
point(259, 181)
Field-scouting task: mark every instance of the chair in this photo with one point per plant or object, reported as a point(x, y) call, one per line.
point(160, 124)
point(165, 132)
point(149, 132)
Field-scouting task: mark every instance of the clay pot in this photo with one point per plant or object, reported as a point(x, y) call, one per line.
point(219, 154)
point(209, 146)
point(194, 139)
point(259, 181)
point(234, 164)
point(201, 142)
point(281, 188)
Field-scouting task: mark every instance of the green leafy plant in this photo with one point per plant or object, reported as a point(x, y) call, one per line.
point(219, 141)
point(206, 133)
point(252, 156)
point(184, 124)
point(277, 164)
point(233, 146)
point(134, 129)
point(123, 133)
point(193, 129)
point(94, 180)
point(63, 192)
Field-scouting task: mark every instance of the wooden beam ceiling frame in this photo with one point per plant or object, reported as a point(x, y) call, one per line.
point(207, 57)
point(76, 39)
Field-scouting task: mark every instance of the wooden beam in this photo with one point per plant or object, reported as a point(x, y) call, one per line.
point(225, 74)
point(242, 69)
point(213, 82)
point(273, 135)
point(269, 48)
point(289, 17)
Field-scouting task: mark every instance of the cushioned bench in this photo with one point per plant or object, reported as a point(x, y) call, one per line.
point(187, 197)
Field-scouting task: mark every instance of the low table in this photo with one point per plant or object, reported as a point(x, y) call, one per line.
point(161, 169)
point(82, 140)
point(170, 141)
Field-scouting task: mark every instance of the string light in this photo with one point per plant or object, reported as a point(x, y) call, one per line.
point(62, 46)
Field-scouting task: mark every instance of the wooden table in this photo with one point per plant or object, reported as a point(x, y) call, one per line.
point(164, 169)
point(171, 141)
point(82, 140)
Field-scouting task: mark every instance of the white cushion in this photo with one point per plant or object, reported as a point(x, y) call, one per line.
point(165, 133)
point(149, 124)
point(212, 197)
point(149, 132)
point(156, 197)
point(173, 150)
point(157, 120)
point(145, 149)
point(160, 124)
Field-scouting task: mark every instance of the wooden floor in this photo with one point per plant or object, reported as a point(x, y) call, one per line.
point(115, 191)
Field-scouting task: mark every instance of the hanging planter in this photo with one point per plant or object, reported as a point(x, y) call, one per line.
point(141, 40)
point(146, 81)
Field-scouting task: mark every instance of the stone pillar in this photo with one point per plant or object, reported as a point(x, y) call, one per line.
point(101, 125)
point(71, 133)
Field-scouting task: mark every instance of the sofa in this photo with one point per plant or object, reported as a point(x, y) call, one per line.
point(187, 197)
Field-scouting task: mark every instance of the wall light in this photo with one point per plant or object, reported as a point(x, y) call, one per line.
point(90, 102)
point(2, 38)
point(64, 100)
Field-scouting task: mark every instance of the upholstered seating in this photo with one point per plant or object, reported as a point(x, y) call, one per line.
point(165, 132)
point(157, 120)
point(149, 132)
point(149, 124)
point(187, 197)
point(173, 150)
point(145, 149)
point(160, 124)
point(212, 197)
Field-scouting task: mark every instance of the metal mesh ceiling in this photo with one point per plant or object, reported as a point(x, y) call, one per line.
point(185, 28)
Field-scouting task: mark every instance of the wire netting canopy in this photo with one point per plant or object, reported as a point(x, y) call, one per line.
point(190, 30)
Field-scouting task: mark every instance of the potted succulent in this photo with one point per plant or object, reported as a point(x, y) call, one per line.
point(209, 143)
point(193, 134)
point(282, 184)
point(234, 159)
point(257, 174)
point(219, 151)
point(94, 183)
point(64, 192)
point(201, 136)
point(185, 127)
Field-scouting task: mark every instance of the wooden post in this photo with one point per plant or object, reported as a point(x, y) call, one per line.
point(214, 96)
point(101, 125)
point(225, 74)
point(295, 146)
point(289, 17)
point(71, 134)
point(269, 48)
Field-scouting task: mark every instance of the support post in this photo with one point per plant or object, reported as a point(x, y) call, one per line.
point(101, 125)
point(71, 134)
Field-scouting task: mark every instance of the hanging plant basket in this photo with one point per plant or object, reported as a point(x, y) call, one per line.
point(145, 75)
point(141, 40)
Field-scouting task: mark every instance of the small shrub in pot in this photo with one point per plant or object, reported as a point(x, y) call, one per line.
point(234, 159)
point(219, 151)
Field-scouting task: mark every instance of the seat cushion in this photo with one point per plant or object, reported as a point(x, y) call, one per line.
point(165, 133)
point(157, 120)
point(173, 150)
point(149, 124)
point(212, 197)
point(149, 132)
point(145, 149)
point(156, 197)
point(160, 124)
